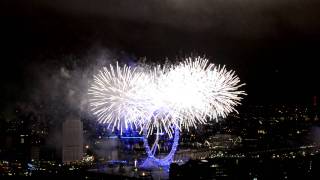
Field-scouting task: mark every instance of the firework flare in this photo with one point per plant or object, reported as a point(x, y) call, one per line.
point(116, 96)
point(164, 98)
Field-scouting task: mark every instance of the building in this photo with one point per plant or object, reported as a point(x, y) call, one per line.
point(72, 137)
point(35, 153)
point(108, 148)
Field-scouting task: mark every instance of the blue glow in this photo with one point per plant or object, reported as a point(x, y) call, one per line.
point(167, 160)
point(117, 161)
point(132, 137)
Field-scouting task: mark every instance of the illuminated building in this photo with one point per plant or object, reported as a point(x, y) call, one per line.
point(72, 136)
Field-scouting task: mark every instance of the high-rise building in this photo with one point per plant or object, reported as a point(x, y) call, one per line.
point(72, 137)
point(35, 153)
point(316, 109)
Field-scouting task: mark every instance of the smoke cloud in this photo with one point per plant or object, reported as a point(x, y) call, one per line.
point(237, 18)
point(59, 86)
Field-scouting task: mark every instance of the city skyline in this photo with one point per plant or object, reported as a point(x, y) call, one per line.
point(52, 53)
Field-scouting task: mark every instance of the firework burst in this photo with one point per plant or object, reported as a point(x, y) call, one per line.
point(116, 96)
point(194, 92)
point(162, 99)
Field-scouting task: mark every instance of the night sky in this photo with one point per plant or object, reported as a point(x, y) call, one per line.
point(274, 45)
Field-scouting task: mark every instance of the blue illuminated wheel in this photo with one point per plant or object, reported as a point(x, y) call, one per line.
point(165, 161)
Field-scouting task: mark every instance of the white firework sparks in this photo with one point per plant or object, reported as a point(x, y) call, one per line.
point(192, 92)
point(116, 96)
point(161, 99)
point(197, 90)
